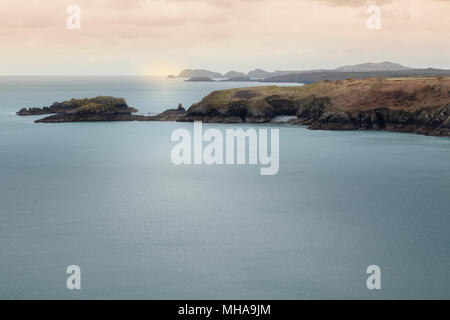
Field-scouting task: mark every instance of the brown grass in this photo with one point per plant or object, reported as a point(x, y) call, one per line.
point(395, 93)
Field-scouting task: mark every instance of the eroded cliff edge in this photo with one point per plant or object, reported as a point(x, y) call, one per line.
point(420, 105)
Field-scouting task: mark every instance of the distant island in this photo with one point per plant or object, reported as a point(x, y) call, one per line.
point(358, 71)
point(102, 108)
point(200, 79)
point(189, 73)
point(233, 79)
point(415, 105)
point(90, 109)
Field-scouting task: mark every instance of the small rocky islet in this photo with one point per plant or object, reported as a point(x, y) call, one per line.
point(102, 108)
point(415, 105)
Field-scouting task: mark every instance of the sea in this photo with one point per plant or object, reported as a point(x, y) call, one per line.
point(107, 198)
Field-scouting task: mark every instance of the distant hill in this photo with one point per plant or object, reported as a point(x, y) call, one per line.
point(357, 71)
point(311, 77)
point(259, 73)
point(234, 74)
point(243, 78)
point(369, 67)
point(195, 73)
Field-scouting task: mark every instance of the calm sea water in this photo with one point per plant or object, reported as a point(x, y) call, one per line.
point(106, 197)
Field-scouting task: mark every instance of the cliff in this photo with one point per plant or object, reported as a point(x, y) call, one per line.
point(417, 105)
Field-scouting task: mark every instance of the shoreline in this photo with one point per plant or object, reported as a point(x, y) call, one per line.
point(419, 105)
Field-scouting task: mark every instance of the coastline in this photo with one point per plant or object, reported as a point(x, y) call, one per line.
point(417, 105)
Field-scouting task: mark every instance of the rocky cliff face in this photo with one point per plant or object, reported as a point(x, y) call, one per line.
point(404, 105)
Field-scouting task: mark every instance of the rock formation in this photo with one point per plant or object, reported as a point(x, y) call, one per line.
point(420, 105)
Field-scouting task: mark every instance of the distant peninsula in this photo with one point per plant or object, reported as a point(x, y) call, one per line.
point(358, 71)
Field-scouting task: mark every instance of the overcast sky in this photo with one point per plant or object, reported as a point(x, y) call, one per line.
point(159, 37)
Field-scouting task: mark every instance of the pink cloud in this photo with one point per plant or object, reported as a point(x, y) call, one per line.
point(237, 34)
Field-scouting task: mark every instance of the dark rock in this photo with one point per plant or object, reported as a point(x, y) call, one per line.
point(170, 115)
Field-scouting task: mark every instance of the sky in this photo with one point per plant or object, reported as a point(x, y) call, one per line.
point(161, 37)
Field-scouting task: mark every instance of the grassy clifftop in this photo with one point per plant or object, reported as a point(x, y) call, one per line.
point(420, 105)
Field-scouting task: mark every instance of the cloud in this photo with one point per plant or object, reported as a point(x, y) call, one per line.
point(216, 34)
point(355, 3)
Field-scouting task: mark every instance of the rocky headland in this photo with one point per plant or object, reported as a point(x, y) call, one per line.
point(418, 105)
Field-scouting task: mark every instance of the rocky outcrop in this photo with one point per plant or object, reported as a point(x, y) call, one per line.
point(118, 104)
point(101, 108)
point(98, 109)
point(426, 121)
point(93, 118)
point(170, 115)
point(403, 105)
